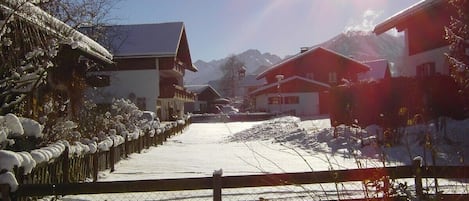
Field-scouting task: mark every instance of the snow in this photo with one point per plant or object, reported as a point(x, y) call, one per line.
point(9, 159)
point(12, 123)
point(9, 178)
point(280, 145)
point(31, 127)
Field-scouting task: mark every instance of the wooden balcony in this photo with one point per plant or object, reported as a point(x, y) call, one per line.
point(171, 68)
point(177, 92)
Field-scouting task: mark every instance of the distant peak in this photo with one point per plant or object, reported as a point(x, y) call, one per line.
point(352, 33)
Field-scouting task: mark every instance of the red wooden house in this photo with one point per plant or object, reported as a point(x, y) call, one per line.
point(299, 84)
point(424, 27)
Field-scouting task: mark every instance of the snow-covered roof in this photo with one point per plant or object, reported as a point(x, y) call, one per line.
point(43, 20)
point(403, 15)
point(200, 88)
point(250, 80)
point(140, 40)
point(378, 70)
point(289, 79)
point(299, 55)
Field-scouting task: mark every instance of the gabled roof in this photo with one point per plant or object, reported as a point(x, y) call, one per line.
point(149, 40)
point(287, 80)
point(145, 39)
point(46, 22)
point(201, 88)
point(310, 51)
point(250, 80)
point(379, 69)
point(405, 14)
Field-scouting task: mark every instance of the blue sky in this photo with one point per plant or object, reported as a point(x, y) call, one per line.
point(218, 28)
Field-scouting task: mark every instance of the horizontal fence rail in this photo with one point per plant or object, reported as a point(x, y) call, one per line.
point(217, 183)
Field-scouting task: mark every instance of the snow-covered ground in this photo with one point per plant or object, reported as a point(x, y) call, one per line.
point(286, 144)
point(238, 148)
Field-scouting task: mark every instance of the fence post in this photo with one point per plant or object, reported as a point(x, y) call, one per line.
point(217, 185)
point(126, 146)
point(417, 167)
point(112, 156)
point(95, 166)
point(5, 190)
point(66, 166)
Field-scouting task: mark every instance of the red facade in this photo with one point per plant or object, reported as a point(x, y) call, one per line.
point(317, 64)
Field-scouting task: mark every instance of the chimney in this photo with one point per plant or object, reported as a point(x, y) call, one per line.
point(303, 49)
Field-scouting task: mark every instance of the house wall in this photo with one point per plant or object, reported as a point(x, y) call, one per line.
point(142, 83)
point(434, 55)
point(308, 104)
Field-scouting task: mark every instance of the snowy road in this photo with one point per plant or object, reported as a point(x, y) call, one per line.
point(204, 147)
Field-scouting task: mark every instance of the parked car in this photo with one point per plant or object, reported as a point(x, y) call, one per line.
point(229, 109)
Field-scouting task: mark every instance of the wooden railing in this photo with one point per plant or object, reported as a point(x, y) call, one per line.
point(177, 92)
point(73, 169)
point(219, 182)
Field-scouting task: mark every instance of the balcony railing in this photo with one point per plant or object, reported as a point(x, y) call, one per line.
point(175, 68)
point(177, 92)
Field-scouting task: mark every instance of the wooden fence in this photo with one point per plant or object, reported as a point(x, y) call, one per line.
point(217, 182)
point(73, 169)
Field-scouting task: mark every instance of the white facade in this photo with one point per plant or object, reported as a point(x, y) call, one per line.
point(136, 85)
point(436, 56)
point(308, 104)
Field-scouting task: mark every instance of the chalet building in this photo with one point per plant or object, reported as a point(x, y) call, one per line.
point(300, 83)
point(206, 96)
point(151, 60)
point(32, 30)
point(423, 25)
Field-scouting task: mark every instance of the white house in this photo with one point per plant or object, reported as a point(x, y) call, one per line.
point(151, 62)
point(423, 25)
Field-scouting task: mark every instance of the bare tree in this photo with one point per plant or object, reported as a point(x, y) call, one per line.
point(79, 13)
point(229, 81)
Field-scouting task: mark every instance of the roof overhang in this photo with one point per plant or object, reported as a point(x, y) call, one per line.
point(297, 56)
point(397, 19)
point(51, 25)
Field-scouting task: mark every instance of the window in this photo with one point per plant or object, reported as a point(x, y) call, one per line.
point(426, 69)
point(332, 77)
point(310, 76)
point(291, 99)
point(274, 100)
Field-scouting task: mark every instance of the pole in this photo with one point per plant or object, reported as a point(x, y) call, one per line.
point(217, 185)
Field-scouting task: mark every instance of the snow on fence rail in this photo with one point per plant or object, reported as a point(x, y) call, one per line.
point(217, 182)
point(68, 167)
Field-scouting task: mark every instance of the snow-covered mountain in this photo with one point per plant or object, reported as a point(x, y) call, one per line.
point(209, 71)
point(362, 46)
